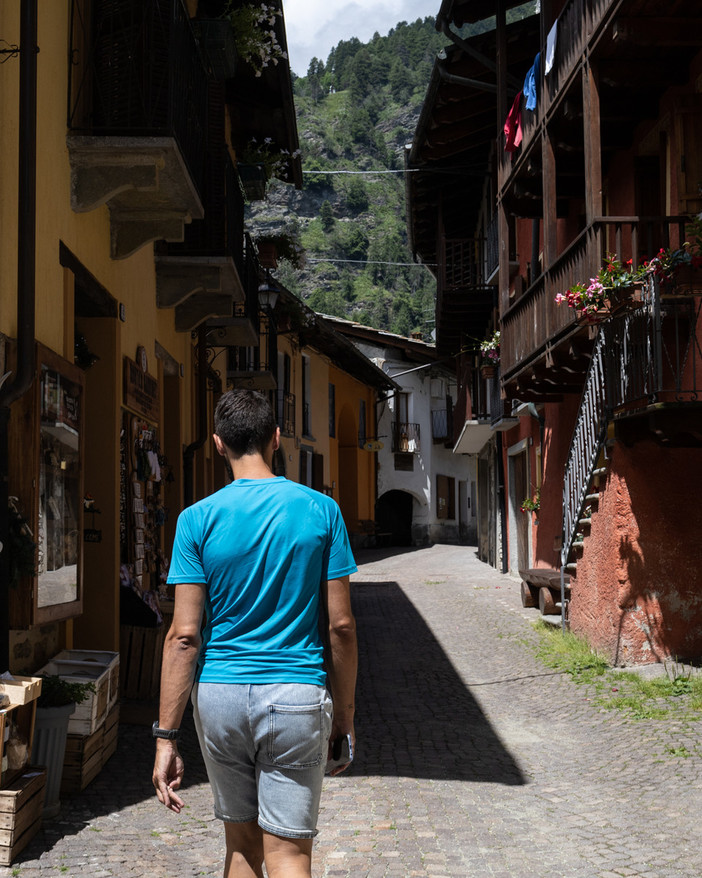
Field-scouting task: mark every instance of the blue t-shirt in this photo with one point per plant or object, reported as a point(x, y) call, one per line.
point(262, 547)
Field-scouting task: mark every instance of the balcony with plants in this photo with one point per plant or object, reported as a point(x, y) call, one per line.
point(547, 333)
point(137, 118)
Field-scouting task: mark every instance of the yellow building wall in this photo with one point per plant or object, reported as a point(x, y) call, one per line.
point(352, 463)
point(132, 283)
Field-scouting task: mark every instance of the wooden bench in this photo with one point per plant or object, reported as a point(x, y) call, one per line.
point(541, 587)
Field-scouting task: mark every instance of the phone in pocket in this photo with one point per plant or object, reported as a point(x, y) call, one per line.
point(341, 752)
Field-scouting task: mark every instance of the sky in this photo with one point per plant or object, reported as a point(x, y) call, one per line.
point(314, 27)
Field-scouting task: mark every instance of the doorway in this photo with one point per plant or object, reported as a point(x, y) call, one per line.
point(519, 522)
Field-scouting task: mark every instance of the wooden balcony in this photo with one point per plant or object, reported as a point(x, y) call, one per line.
point(578, 26)
point(534, 327)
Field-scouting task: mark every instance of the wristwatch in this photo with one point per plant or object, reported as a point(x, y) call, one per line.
point(170, 734)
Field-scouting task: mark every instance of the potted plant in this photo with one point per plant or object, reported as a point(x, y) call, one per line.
point(55, 705)
point(258, 161)
point(490, 354)
point(611, 289)
point(254, 34)
point(532, 504)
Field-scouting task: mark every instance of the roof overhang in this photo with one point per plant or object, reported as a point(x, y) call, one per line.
point(474, 437)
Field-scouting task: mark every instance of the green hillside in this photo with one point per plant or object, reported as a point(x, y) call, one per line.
point(356, 111)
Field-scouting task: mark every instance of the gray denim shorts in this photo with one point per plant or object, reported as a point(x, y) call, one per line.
point(265, 750)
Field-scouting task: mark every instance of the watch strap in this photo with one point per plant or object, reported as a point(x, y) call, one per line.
point(169, 734)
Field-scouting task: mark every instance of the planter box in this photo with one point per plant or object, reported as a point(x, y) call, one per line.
point(87, 716)
point(21, 689)
point(87, 754)
point(21, 805)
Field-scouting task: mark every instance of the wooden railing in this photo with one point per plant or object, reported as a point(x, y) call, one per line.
point(535, 319)
point(462, 265)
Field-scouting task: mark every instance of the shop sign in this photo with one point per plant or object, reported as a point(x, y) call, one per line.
point(140, 391)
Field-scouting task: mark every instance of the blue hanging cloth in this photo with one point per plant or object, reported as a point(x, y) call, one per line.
point(531, 83)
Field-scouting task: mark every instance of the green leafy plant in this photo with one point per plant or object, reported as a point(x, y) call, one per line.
point(532, 504)
point(265, 155)
point(57, 691)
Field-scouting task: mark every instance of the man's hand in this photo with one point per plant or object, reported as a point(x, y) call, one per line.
point(168, 774)
point(341, 727)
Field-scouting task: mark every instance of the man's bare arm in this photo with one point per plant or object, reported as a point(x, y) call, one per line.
point(342, 654)
point(180, 653)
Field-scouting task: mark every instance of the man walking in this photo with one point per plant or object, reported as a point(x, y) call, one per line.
point(264, 559)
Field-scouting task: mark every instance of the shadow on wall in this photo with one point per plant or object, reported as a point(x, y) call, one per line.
point(416, 716)
point(660, 603)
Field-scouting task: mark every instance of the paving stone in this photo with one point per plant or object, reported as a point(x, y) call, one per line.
point(473, 760)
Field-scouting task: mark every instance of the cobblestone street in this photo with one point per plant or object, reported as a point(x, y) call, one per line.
point(474, 760)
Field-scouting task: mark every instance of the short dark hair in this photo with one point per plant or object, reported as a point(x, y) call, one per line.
point(244, 421)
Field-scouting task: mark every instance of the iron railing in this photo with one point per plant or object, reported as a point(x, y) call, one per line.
point(259, 358)
point(654, 353)
point(136, 71)
point(405, 437)
point(286, 412)
point(648, 355)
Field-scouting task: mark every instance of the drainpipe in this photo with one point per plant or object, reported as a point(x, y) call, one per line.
point(501, 501)
point(189, 452)
point(26, 237)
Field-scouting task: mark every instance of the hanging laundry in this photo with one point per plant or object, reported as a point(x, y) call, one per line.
point(532, 83)
point(551, 48)
point(513, 125)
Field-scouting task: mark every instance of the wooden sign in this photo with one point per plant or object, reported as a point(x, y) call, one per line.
point(140, 391)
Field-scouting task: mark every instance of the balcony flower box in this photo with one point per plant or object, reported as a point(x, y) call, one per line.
point(253, 181)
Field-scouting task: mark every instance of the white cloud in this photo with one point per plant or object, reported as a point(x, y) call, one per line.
point(315, 26)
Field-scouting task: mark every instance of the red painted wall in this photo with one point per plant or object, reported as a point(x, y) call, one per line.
point(637, 595)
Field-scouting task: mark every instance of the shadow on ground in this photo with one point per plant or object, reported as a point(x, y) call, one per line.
point(416, 717)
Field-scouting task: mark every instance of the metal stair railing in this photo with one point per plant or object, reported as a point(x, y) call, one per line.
point(588, 439)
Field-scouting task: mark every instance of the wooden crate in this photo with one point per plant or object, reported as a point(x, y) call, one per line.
point(92, 657)
point(86, 754)
point(23, 716)
point(140, 667)
point(111, 734)
point(21, 805)
point(21, 689)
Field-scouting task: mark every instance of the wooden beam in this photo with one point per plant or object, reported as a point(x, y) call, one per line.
point(658, 31)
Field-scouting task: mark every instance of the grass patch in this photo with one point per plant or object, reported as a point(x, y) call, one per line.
point(568, 653)
point(678, 691)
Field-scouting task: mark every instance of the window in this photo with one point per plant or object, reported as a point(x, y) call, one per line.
point(362, 424)
point(306, 395)
point(445, 497)
point(332, 411)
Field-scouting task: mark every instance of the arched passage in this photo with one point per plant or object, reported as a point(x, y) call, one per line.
point(393, 517)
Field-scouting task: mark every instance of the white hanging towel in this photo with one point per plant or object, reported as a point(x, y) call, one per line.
point(551, 48)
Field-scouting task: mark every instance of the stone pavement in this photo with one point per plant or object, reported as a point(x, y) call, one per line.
point(474, 761)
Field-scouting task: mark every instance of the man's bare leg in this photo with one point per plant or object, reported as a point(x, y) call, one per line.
point(287, 857)
point(244, 850)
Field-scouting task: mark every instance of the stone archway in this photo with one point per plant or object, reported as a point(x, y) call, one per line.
point(393, 518)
